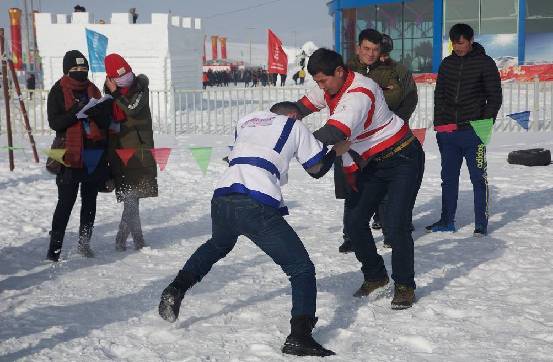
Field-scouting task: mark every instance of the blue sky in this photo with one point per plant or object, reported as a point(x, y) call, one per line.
point(300, 19)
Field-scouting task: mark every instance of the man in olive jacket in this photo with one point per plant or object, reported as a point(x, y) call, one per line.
point(400, 93)
point(468, 88)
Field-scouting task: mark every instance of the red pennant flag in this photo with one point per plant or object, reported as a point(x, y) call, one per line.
point(420, 133)
point(125, 154)
point(278, 60)
point(161, 155)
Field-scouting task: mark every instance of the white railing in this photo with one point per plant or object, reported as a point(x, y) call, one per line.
point(214, 111)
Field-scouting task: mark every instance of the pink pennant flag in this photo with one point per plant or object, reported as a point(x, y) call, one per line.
point(420, 133)
point(125, 154)
point(161, 155)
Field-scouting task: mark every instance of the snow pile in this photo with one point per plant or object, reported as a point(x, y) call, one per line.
point(478, 298)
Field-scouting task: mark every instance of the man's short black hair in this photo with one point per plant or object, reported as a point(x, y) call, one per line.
point(285, 108)
point(324, 61)
point(461, 30)
point(371, 35)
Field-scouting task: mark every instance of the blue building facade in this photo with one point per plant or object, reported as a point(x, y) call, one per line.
point(511, 31)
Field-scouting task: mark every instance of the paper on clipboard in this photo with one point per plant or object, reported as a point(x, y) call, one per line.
point(91, 103)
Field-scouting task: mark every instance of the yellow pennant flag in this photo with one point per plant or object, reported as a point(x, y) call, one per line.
point(56, 154)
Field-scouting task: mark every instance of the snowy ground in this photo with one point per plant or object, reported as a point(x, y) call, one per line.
point(478, 299)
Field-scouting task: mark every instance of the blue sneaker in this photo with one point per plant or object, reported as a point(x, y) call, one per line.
point(440, 226)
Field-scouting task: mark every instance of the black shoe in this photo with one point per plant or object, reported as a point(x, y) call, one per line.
point(169, 306)
point(300, 342)
point(171, 298)
point(480, 232)
point(404, 297)
point(376, 225)
point(346, 246)
point(370, 286)
point(56, 242)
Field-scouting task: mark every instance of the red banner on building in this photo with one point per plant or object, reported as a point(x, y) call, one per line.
point(15, 27)
point(214, 47)
point(278, 60)
point(223, 41)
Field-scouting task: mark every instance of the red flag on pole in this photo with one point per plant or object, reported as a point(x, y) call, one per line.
point(161, 155)
point(278, 60)
point(125, 154)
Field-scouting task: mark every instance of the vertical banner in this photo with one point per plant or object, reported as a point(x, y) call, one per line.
point(15, 28)
point(214, 47)
point(223, 41)
point(97, 47)
point(277, 58)
point(204, 59)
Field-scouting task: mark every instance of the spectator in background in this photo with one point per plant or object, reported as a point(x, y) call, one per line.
point(79, 9)
point(283, 79)
point(138, 178)
point(205, 80)
point(31, 84)
point(134, 15)
point(65, 99)
point(468, 88)
point(301, 75)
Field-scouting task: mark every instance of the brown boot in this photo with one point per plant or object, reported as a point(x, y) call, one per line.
point(370, 286)
point(404, 297)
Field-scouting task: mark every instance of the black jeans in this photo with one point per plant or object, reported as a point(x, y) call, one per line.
point(236, 215)
point(399, 178)
point(67, 195)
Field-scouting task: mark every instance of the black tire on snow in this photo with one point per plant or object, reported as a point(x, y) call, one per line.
point(532, 157)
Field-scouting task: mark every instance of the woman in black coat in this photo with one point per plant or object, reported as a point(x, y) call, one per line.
point(82, 139)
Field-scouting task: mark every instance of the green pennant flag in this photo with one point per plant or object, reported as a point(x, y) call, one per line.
point(202, 156)
point(483, 129)
point(56, 154)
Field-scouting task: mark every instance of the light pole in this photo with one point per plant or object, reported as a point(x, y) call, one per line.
point(250, 37)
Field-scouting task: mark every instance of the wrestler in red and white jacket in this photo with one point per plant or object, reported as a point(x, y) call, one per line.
point(359, 111)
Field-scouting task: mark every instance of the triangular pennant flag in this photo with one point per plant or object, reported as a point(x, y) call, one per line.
point(202, 156)
point(483, 129)
point(522, 118)
point(91, 159)
point(125, 154)
point(56, 154)
point(420, 133)
point(161, 155)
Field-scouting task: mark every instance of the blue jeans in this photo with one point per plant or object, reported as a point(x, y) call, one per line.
point(399, 178)
point(453, 147)
point(235, 215)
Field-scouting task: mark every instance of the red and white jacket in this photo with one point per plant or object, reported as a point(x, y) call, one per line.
point(360, 111)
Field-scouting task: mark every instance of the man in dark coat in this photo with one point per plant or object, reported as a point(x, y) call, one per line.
point(468, 88)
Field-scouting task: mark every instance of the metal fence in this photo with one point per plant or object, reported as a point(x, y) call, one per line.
point(215, 110)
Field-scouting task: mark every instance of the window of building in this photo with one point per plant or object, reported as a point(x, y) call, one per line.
point(461, 11)
point(498, 16)
point(539, 16)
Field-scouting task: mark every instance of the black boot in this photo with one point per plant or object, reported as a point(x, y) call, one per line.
point(85, 234)
point(300, 342)
point(56, 241)
point(171, 298)
point(346, 246)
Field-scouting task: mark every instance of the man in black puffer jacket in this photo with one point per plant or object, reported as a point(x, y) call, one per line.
point(468, 88)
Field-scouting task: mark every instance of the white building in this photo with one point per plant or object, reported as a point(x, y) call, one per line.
point(168, 50)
